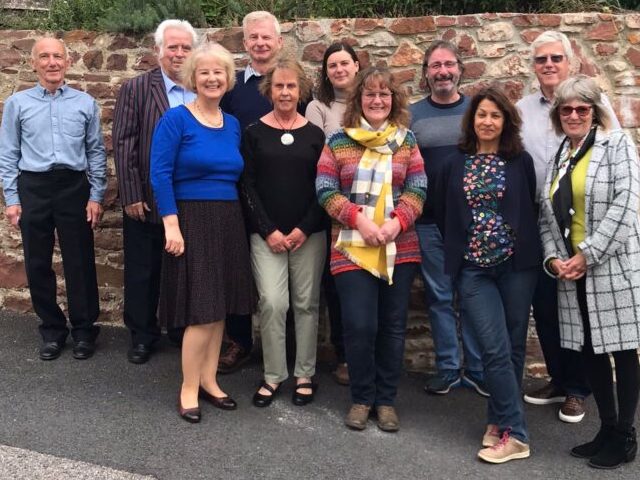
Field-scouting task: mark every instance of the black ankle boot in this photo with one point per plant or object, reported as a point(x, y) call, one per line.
point(621, 448)
point(590, 449)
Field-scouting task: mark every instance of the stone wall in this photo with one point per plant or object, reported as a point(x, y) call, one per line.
point(495, 48)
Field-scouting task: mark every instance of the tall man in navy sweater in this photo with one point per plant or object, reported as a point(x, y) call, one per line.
point(263, 42)
point(436, 123)
point(141, 102)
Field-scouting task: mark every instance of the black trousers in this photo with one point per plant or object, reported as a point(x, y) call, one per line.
point(600, 375)
point(55, 202)
point(143, 246)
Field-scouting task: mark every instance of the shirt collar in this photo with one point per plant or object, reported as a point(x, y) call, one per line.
point(250, 72)
point(168, 83)
point(43, 91)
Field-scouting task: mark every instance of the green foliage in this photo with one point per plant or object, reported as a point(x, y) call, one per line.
point(73, 14)
point(28, 20)
point(130, 16)
point(141, 16)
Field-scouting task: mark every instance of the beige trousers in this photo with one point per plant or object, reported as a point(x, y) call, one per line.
point(278, 277)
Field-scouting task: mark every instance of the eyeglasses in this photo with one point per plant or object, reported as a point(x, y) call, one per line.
point(567, 110)
point(438, 65)
point(382, 95)
point(542, 59)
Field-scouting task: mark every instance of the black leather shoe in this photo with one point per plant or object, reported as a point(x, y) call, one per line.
point(260, 400)
point(622, 447)
point(50, 350)
point(191, 415)
point(224, 403)
point(301, 399)
point(83, 350)
point(139, 353)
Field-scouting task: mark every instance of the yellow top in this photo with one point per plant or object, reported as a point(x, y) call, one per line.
point(578, 185)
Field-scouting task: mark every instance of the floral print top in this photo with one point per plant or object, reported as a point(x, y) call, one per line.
point(490, 238)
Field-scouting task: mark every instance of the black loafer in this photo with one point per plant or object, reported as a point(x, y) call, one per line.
point(191, 415)
point(51, 350)
point(260, 400)
point(83, 350)
point(301, 399)
point(139, 353)
point(223, 403)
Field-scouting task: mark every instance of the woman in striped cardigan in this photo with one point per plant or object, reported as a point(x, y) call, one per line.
point(371, 181)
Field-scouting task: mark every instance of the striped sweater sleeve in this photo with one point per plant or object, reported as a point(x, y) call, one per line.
point(414, 191)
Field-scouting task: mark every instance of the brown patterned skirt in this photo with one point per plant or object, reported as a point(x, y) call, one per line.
point(213, 277)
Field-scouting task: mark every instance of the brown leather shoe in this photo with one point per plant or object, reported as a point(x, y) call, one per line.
point(387, 418)
point(572, 410)
point(341, 374)
point(233, 358)
point(357, 416)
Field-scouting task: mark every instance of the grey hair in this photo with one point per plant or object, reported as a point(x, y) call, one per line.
point(213, 51)
point(64, 45)
point(584, 89)
point(183, 25)
point(552, 36)
point(257, 16)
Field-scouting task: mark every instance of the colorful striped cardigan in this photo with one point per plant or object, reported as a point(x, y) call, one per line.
point(336, 168)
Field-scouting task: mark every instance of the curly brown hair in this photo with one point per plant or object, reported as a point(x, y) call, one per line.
point(510, 139)
point(383, 78)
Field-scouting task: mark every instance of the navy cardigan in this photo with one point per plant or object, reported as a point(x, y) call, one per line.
point(517, 206)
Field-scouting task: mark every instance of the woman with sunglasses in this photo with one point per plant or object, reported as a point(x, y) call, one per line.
point(339, 68)
point(591, 237)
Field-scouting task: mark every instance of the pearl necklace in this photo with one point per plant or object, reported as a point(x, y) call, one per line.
point(214, 124)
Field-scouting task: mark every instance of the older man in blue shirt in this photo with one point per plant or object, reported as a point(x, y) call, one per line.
point(53, 170)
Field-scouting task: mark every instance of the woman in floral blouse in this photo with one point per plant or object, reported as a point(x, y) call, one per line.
point(492, 249)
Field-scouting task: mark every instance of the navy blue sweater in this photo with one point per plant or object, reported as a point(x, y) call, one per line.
point(453, 214)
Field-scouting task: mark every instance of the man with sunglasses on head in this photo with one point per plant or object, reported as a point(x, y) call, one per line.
point(552, 59)
point(436, 122)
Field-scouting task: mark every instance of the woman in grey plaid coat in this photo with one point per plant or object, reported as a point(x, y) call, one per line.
point(589, 228)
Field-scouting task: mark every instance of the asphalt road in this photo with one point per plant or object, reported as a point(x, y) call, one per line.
point(105, 418)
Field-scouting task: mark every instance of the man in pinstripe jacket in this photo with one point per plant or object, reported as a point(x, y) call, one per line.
point(141, 102)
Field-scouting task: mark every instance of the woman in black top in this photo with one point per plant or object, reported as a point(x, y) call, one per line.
point(287, 225)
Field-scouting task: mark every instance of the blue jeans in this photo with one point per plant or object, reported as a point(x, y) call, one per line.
point(374, 318)
point(439, 290)
point(497, 301)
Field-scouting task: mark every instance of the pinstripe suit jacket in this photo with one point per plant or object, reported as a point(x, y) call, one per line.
point(141, 102)
point(611, 248)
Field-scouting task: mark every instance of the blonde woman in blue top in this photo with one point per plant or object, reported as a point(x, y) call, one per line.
point(195, 165)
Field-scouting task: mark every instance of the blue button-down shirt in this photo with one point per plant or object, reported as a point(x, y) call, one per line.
point(177, 94)
point(41, 131)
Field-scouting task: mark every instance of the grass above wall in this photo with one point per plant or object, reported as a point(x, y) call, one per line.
point(141, 16)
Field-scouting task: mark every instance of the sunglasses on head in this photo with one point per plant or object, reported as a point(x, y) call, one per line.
point(542, 59)
point(567, 110)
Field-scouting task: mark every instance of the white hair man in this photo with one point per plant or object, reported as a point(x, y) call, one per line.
point(552, 59)
point(141, 102)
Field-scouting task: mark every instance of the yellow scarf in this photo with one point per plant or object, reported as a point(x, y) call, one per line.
point(372, 189)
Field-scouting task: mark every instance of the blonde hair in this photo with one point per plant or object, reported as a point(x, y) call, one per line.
point(213, 51)
point(258, 16)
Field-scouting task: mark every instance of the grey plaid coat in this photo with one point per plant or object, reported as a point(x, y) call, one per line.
point(611, 248)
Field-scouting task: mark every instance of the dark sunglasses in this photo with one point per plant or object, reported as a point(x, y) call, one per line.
point(566, 110)
point(542, 59)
